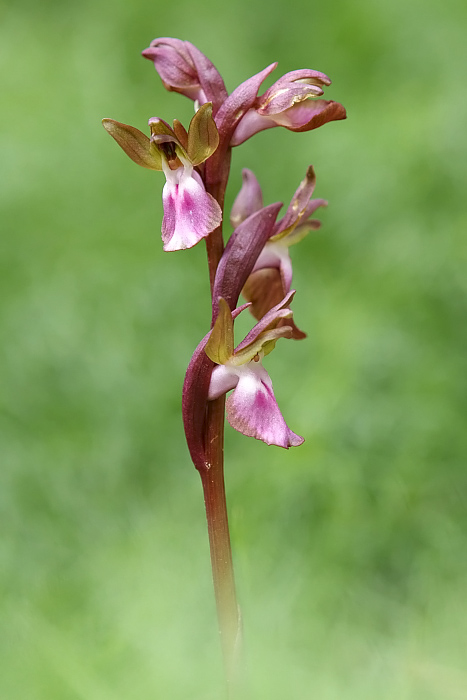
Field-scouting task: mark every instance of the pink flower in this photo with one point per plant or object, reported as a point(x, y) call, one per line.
point(252, 407)
point(293, 101)
point(271, 277)
point(190, 213)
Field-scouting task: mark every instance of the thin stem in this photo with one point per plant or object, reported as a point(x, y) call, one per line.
point(219, 538)
point(214, 249)
point(216, 176)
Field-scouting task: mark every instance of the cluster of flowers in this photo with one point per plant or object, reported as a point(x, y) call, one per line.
point(256, 260)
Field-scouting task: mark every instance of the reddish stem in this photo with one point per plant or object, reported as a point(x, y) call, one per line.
point(216, 175)
point(219, 537)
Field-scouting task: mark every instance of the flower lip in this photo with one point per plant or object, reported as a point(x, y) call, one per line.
point(252, 409)
point(190, 213)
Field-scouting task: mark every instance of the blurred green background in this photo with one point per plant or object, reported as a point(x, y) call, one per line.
point(350, 552)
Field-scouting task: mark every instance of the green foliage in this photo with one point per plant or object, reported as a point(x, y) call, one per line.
point(350, 550)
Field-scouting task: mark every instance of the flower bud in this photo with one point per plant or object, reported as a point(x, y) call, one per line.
point(173, 62)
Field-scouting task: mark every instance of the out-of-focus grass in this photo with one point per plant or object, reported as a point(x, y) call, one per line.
point(350, 551)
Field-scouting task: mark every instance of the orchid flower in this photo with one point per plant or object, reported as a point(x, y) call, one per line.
point(293, 101)
point(271, 277)
point(190, 213)
point(252, 408)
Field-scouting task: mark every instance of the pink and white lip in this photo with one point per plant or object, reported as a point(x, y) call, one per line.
point(190, 213)
point(252, 407)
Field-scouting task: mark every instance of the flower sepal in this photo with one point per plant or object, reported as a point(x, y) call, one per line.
point(135, 144)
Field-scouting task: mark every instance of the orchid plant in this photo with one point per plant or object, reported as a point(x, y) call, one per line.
point(255, 262)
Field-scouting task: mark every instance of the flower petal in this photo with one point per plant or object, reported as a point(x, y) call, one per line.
point(270, 320)
point(239, 102)
point(310, 115)
point(203, 137)
point(223, 379)
point(303, 116)
point(292, 88)
point(252, 123)
point(209, 77)
point(264, 343)
point(274, 102)
point(252, 409)
point(305, 76)
point(248, 200)
point(190, 213)
point(298, 205)
point(184, 69)
point(174, 64)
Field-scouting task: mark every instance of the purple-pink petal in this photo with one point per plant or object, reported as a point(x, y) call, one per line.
point(252, 409)
point(312, 206)
point(310, 114)
point(248, 200)
point(173, 62)
point(287, 97)
point(252, 123)
point(303, 116)
point(184, 69)
point(298, 203)
point(273, 316)
point(239, 102)
point(302, 75)
point(209, 77)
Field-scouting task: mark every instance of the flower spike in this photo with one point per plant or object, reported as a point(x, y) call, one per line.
point(255, 261)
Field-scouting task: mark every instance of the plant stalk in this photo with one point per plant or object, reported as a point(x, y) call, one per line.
point(216, 176)
point(219, 538)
